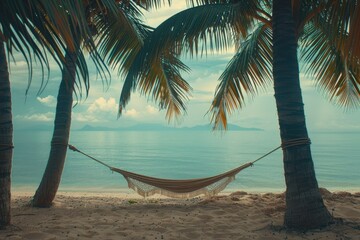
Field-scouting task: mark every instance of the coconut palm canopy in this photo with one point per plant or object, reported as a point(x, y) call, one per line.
point(247, 25)
point(32, 27)
point(140, 104)
point(29, 27)
point(20, 22)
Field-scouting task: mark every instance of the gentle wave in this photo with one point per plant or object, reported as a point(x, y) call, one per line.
point(183, 155)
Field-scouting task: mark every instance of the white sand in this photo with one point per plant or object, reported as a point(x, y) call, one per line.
point(125, 216)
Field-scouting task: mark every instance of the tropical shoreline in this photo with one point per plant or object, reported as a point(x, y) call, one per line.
point(127, 191)
point(236, 215)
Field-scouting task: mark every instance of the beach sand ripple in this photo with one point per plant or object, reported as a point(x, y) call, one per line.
point(238, 215)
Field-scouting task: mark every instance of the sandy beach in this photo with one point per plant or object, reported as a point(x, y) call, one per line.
point(237, 215)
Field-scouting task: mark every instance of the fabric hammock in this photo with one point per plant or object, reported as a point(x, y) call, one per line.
point(209, 186)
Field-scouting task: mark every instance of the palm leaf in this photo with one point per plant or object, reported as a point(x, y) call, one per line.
point(211, 27)
point(334, 72)
point(249, 70)
point(74, 24)
point(57, 26)
point(162, 82)
point(353, 46)
point(119, 48)
point(171, 90)
point(71, 22)
point(19, 34)
point(152, 4)
point(196, 30)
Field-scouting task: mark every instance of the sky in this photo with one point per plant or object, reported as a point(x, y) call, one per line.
point(100, 107)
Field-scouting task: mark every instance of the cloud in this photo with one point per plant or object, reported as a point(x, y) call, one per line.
point(84, 117)
point(100, 110)
point(132, 113)
point(103, 105)
point(152, 110)
point(49, 101)
point(157, 16)
point(40, 117)
point(306, 81)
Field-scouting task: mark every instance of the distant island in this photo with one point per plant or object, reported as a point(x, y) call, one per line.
point(159, 127)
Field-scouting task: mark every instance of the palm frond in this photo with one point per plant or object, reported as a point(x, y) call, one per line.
point(194, 3)
point(306, 12)
point(162, 82)
point(249, 70)
point(119, 41)
point(342, 19)
point(201, 29)
point(171, 90)
point(335, 72)
point(195, 31)
point(74, 24)
point(347, 18)
point(211, 27)
point(18, 33)
point(336, 16)
point(151, 4)
point(353, 42)
point(262, 7)
point(57, 26)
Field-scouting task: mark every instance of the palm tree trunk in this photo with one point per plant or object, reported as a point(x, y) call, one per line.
point(50, 182)
point(6, 140)
point(304, 204)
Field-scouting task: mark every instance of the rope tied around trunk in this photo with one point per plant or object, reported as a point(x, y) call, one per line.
point(286, 144)
point(59, 143)
point(295, 142)
point(5, 147)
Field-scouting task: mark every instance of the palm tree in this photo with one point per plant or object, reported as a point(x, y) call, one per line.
point(74, 63)
point(6, 139)
point(261, 32)
point(87, 14)
point(305, 207)
point(23, 30)
point(104, 19)
point(50, 182)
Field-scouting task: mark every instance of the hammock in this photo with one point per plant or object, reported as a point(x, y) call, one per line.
point(209, 186)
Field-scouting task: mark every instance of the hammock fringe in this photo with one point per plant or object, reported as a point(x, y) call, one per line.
point(206, 191)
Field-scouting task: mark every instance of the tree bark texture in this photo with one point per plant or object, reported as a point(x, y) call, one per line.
point(304, 204)
point(50, 182)
point(6, 140)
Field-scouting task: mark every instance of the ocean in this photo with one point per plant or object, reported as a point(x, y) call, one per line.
point(182, 155)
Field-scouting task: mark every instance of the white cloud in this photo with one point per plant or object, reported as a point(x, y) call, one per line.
point(48, 101)
point(157, 16)
point(41, 117)
point(131, 113)
point(152, 110)
point(103, 105)
point(100, 110)
point(84, 117)
point(307, 81)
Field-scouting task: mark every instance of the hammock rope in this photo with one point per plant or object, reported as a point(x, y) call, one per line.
point(5, 147)
point(209, 186)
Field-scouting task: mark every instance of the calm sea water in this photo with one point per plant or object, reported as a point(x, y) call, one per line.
point(181, 155)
